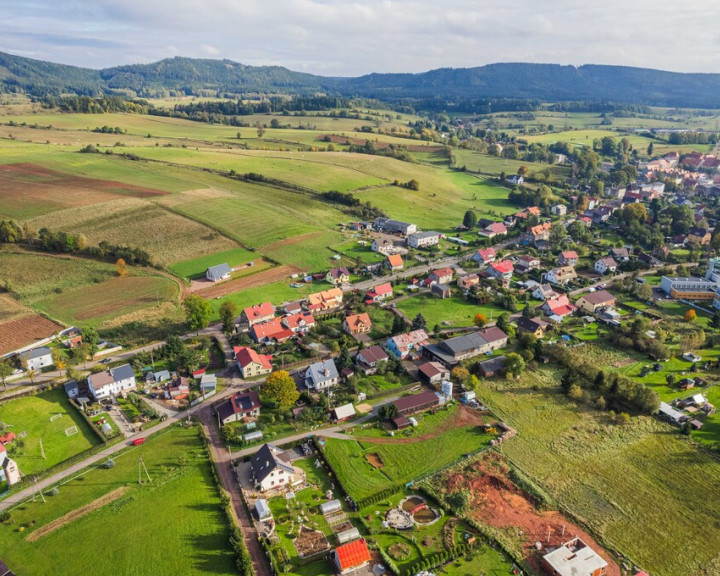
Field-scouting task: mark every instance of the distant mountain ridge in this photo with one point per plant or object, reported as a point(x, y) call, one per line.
point(546, 82)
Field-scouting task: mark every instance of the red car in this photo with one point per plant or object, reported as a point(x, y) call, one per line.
point(138, 441)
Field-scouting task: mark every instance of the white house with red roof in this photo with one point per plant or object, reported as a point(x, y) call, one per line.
point(258, 313)
point(502, 270)
point(492, 230)
point(558, 307)
point(527, 262)
point(299, 323)
point(271, 331)
point(379, 293)
point(568, 258)
point(241, 406)
point(605, 264)
point(561, 275)
point(251, 363)
point(484, 255)
point(404, 344)
point(441, 276)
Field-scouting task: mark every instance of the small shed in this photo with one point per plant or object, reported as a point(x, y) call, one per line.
point(400, 422)
point(348, 535)
point(253, 436)
point(440, 290)
point(162, 376)
point(468, 396)
point(263, 509)
point(696, 424)
point(344, 412)
point(330, 507)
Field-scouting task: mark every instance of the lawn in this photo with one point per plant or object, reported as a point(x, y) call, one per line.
point(449, 312)
point(612, 477)
point(196, 267)
point(31, 415)
point(181, 504)
point(402, 462)
point(494, 165)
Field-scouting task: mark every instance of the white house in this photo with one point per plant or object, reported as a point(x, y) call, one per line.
point(561, 275)
point(271, 468)
point(37, 358)
point(543, 292)
point(606, 264)
point(321, 375)
point(558, 210)
point(515, 179)
point(111, 382)
point(219, 272)
point(423, 239)
point(383, 246)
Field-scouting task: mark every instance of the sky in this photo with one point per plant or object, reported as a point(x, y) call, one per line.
point(351, 38)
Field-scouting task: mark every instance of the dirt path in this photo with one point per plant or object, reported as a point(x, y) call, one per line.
point(232, 489)
point(253, 281)
point(75, 514)
point(463, 417)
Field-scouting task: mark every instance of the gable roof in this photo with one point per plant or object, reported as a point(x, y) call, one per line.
point(372, 354)
point(382, 289)
point(568, 254)
point(271, 329)
point(492, 334)
point(357, 321)
point(337, 273)
point(265, 460)
point(599, 297)
point(416, 401)
point(36, 353)
point(352, 554)
point(321, 371)
point(461, 344)
point(246, 356)
point(609, 261)
point(240, 403)
point(414, 337)
point(486, 253)
point(531, 324)
point(218, 271)
point(440, 272)
point(395, 260)
point(432, 369)
point(297, 320)
point(259, 311)
point(503, 267)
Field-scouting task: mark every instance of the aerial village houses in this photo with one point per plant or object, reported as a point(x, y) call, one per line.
point(492, 230)
point(271, 468)
point(258, 313)
point(591, 302)
point(251, 363)
point(389, 226)
point(357, 324)
point(9, 471)
point(560, 276)
point(700, 236)
point(271, 332)
point(423, 239)
point(605, 264)
point(111, 382)
point(468, 281)
point(491, 367)
point(379, 293)
point(325, 301)
point(433, 373)
point(558, 210)
point(526, 262)
point(543, 292)
point(299, 323)
point(321, 375)
point(534, 326)
point(338, 276)
point(37, 358)
point(369, 359)
point(242, 406)
point(217, 273)
point(441, 276)
point(416, 403)
point(484, 255)
point(395, 262)
point(502, 270)
point(440, 290)
point(403, 345)
point(454, 350)
point(383, 246)
point(536, 234)
point(558, 307)
point(568, 258)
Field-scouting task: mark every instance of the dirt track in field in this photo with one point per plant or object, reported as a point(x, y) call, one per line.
point(462, 418)
point(496, 501)
point(25, 330)
point(75, 514)
point(253, 281)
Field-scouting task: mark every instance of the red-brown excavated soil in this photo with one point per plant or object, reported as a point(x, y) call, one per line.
point(30, 182)
point(496, 501)
point(23, 331)
point(260, 279)
point(463, 417)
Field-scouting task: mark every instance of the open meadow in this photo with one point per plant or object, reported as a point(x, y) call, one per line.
point(35, 419)
point(612, 478)
point(178, 511)
point(440, 439)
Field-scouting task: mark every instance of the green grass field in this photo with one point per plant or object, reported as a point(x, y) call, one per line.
point(494, 165)
point(196, 267)
point(31, 415)
point(614, 478)
point(402, 462)
point(178, 511)
point(448, 313)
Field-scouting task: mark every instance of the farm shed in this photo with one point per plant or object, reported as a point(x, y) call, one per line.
point(348, 535)
point(669, 413)
point(343, 412)
point(400, 422)
point(263, 509)
point(416, 402)
point(492, 367)
point(330, 507)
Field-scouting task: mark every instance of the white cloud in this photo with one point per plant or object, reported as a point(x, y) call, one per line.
point(352, 37)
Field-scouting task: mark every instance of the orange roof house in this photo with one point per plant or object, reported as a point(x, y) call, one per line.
point(357, 324)
point(395, 262)
point(258, 313)
point(351, 555)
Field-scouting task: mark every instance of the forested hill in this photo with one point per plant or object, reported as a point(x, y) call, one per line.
point(546, 82)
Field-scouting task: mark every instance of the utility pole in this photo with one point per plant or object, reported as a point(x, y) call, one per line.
point(42, 449)
point(141, 468)
point(37, 488)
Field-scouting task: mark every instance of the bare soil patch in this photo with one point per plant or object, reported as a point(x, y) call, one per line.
point(25, 330)
point(260, 279)
point(75, 514)
point(309, 542)
point(375, 460)
point(497, 502)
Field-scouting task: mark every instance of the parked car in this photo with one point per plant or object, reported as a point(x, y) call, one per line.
point(138, 441)
point(105, 360)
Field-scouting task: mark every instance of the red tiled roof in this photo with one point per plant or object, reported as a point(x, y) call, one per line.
point(442, 272)
point(382, 289)
point(271, 329)
point(246, 356)
point(503, 267)
point(395, 260)
point(263, 310)
point(296, 320)
point(569, 254)
point(352, 554)
point(356, 322)
point(497, 228)
point(486, 253)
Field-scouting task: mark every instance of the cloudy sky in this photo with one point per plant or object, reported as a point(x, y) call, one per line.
point(344, 37)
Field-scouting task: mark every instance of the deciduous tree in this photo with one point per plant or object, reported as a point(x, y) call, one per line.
point(197, 312)
point(228, 311)
point(121, 267)
point(280, 386)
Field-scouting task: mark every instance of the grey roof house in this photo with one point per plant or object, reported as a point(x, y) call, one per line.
point(321, 375)
point(219, 272)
